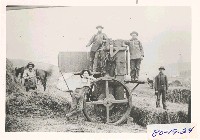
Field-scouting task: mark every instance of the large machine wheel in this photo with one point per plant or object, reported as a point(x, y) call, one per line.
point(113, 102)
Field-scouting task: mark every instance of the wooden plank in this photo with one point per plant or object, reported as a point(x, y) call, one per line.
point(73, 61)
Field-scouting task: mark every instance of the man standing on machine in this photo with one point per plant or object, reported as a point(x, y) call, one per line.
point(97, 40)
point(136, 55)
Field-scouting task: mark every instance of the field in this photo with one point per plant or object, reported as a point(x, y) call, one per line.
point(45, 111)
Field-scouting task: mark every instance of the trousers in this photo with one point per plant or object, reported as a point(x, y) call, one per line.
point(161, 92)
point(93, 61)
point(77, 102)
point(135, 68)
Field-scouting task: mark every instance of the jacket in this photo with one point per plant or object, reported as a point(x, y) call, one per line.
point(28, 74)
point(161, 82)
point(97, 41)
point(135, 48)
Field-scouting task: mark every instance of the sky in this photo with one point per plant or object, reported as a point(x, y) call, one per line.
point(40, 34)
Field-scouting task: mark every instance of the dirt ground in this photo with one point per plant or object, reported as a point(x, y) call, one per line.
point(44, 119)
point(56, 123)
point(60, 124)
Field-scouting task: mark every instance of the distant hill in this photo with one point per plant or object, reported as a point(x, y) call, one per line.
point(40, 65)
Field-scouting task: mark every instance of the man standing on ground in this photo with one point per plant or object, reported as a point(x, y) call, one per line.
point(30, 72)
point(161, 87)
point(97, 40)
point(136, 55)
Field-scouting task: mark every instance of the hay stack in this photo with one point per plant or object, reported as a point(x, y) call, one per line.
point(144, 112)
point(20, 103)
point(178, 95)
point(11, 84)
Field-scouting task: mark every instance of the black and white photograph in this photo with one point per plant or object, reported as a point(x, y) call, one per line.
point(97, 69)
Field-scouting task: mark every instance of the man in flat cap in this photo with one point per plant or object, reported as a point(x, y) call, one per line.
point(161, 87)
point(136, 55)
point(97, 40)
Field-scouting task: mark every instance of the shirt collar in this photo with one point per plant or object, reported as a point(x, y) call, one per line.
point(99, 33)
point(161, 73)
point(133, 39)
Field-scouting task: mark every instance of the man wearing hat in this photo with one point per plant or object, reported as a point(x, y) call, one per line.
point(136, 55)
point(30, 72)
point(97, 40)
point(161, 87)
point(78, 94)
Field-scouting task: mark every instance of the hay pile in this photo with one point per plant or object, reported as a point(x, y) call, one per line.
point(178, 95)
point(20, 103)
point(144, 112)
point(35, 104)
point(175, 83)
point(11, 82)
point(144, 109)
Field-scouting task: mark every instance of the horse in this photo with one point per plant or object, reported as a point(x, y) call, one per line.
point(150, 82)
point(19, 71)
point(42, 76)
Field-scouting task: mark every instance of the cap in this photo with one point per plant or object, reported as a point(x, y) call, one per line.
point(82, 72)
point(134, 32)
point(99, 26)
point(30, 64)
point(162, 68)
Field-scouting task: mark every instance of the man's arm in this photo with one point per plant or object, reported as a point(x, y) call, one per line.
point(166, 82)
point(105, 37)
point(91, 41)
point(126, 42)
point(141, 49)
point(25, 75)
point(34, 71)
point(156, 84)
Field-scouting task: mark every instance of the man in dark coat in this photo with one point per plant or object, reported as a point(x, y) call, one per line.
point(136, 55)
point(161, 87)
point(97, 40)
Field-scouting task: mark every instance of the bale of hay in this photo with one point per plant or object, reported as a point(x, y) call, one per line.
point(145, 117)
point(175, 83)
point(144, 112)
point(178, 95)
point(11, 83)
point(20, 104)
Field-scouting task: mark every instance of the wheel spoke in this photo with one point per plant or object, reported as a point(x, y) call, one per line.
point(107, 90)
point(107, 114)
point(95, 102)
point(119, 101)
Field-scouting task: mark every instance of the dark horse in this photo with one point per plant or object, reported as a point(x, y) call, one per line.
point(150, 82)
point(19, 71)
point(42, 76)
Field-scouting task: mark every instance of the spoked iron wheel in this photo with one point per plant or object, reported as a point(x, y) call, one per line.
point(113, 102)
